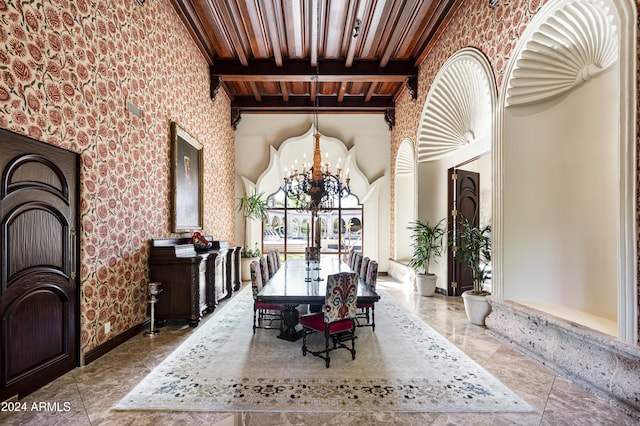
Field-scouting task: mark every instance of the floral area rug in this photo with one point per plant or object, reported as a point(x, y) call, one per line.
point(404, 366)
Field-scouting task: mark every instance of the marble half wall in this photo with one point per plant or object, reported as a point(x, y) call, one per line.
point(599, 363)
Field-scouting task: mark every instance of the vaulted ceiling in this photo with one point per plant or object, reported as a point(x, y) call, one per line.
point(308, 55)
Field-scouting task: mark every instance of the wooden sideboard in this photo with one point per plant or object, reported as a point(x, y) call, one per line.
point(193, 282)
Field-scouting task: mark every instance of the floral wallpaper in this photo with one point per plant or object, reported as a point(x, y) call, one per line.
point(493, 30)
point(68, 69)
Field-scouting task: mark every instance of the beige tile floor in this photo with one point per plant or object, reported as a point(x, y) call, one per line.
point(85, 395)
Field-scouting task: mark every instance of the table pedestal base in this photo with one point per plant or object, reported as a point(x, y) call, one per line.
point(293, 330)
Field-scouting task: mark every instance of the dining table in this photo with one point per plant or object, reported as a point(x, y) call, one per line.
point(304, 282)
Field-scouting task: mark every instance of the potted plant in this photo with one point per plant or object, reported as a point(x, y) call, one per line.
point(252, 207)
point(472, 248)
point(427, 246)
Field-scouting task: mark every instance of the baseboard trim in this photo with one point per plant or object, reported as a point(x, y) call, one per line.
point(109, 345)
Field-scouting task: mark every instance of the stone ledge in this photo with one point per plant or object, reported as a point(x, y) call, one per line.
point(599, 363)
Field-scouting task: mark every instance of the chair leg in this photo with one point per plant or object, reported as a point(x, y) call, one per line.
point(326, 347)
point(304, 343)
point(254, 320)
point(373, 318)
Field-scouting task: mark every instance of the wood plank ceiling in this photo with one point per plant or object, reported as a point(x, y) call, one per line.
point(285, 56)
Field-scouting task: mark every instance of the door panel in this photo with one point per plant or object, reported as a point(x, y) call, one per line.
point(464, 197)
point(39, 292)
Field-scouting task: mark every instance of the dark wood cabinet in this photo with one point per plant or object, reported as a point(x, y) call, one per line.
point(192, 282)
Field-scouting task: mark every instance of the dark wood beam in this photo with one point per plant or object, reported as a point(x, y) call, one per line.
point(300, 70)
point(304, 104)
point(195, 27)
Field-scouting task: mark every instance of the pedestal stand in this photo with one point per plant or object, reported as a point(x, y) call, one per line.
point(154, 290)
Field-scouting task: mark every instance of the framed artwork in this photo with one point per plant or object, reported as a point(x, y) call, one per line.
point(186, 181)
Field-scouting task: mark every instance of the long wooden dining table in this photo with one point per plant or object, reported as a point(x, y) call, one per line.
point(301, 282)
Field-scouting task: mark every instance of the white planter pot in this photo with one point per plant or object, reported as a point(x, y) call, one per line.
point(477, 307)
point(426, 284)
point(245, 267)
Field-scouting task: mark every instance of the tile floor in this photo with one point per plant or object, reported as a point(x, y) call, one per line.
point(85, 395)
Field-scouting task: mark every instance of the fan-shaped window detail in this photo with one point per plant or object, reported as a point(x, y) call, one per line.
point(458, 107)
point(405, 160)
point(573, 45)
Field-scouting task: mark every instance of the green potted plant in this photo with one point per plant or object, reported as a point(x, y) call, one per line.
point(427, 246)
point(472, 248)
point(251, 207)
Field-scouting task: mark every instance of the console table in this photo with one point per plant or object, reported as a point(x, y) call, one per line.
point(191, 280)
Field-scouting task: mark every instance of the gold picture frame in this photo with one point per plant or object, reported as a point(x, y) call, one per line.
point(187, 165)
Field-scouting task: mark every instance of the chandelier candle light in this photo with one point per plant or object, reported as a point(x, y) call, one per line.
point(315, 187)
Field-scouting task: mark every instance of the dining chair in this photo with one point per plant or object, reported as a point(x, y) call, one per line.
point(264, 269)
point(366, 311)
point(311, 253)
point(363, 267)
point(352, 256)
point(263, 312)
point(357, 263)
point(277, 256)
point(271, 263)
point(337, 321)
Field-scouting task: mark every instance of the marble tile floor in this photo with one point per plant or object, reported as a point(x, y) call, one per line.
point(86, 394)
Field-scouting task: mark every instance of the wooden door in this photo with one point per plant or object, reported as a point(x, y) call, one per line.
point(39, 296)
point(464, 197)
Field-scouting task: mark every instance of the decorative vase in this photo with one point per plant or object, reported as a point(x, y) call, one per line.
point(476, 306)
point(426, 284)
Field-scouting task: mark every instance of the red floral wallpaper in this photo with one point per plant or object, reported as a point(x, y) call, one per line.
point(68, 68)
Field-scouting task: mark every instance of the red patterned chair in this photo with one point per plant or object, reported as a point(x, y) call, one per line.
point(366, 311)
point(263, 312)
point(337, 321)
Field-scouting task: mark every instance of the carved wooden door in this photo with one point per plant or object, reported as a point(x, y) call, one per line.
point(39, 327)
point(464, 197)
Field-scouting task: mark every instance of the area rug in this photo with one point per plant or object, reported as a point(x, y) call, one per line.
point(404, 366)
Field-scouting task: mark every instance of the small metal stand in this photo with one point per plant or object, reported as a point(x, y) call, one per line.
point(154, 290)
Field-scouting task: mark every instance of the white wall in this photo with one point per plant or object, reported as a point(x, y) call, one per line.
point(368, 133)
point(561, 199)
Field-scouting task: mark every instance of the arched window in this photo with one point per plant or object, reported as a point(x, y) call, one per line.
point(289, 229)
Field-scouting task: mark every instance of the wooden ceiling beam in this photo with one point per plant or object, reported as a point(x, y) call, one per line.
point(300, 70)
point(299, 103)
point(195, 27)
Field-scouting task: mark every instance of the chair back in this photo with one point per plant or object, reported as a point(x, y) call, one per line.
point(256, 278)
point(352, 256)
point(271, 262)
point(311, 253)
point(363, 268)
point(372, 274)
point(342, 294)
point(264, 268)
point(277, 256)
point(357, 262)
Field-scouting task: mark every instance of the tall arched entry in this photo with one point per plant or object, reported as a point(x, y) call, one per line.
point(405, 199)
